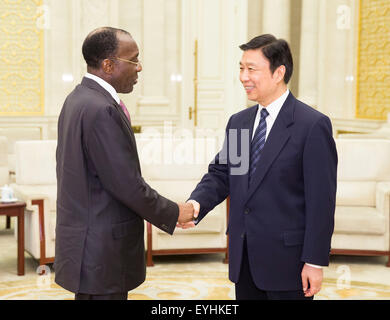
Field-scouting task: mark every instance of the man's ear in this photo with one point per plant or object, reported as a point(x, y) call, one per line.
point(279, 73)
point(108, 66)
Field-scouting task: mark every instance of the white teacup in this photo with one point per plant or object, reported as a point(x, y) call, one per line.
point(7, 194)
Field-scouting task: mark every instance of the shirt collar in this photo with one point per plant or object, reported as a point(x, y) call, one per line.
point(274, 107)
point(105, 85)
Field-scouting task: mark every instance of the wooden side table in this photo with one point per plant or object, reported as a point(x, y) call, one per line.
point(16, 209)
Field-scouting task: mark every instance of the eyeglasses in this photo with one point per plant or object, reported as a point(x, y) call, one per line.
point(137, 63)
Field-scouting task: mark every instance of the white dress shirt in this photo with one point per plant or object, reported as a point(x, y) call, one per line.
point(273, 111)
point(105, 85)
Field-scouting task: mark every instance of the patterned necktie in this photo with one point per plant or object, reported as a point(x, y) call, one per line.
point(258, 143)
point(125, 109)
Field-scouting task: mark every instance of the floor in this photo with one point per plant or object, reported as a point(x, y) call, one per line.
point(198, 277)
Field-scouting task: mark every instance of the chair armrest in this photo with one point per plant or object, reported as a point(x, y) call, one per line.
point(28, 193)
point(383, 198)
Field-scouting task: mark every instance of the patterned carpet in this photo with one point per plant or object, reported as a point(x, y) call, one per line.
point(165, 286)
point(194, 277)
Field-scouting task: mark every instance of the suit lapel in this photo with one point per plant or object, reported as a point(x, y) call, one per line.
point(248, 125)
point(126, 125)
point(125, 121)
point(277, 139)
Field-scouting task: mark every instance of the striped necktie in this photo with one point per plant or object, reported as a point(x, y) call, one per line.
point(124, 109)
point(258, 143)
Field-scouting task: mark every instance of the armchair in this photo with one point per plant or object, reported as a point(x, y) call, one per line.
point(174, 167)
point(36, 185)
point(363, 198)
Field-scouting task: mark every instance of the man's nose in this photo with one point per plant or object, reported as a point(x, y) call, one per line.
point(244, 76)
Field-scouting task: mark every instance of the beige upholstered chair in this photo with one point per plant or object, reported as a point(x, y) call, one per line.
point(14, 134)
point(363, 198)
point(36, 185)
point(173, 168)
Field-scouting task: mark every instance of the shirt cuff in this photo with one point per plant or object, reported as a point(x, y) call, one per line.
point(196, 221)
point(314, 266)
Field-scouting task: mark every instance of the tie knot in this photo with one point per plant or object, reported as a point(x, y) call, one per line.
point(264, 113)
point(122, 104)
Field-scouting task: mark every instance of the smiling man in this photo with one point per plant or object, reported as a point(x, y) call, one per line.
point(282, 208)
point(102, 199)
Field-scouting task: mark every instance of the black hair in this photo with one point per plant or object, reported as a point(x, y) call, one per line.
point(101, 44)
point(276, 51)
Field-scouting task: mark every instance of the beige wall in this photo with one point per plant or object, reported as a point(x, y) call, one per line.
point(165, 31)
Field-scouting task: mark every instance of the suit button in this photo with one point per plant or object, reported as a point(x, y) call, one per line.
point(247, 211)
point(243, 235)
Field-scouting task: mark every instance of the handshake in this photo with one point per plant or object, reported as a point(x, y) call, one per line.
point(188, 212)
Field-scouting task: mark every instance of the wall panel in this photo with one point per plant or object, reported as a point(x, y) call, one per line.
point(21, 58)
point(373, 95)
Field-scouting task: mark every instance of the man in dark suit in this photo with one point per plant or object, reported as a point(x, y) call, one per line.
point(102, 199)
point(282, 193)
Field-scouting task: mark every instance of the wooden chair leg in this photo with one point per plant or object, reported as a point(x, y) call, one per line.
point(8, 224)
point(226, 260)
point(149, 260)
point(42, 235)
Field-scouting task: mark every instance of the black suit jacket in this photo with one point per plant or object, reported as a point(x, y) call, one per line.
point(102, 199)
point(287, 213)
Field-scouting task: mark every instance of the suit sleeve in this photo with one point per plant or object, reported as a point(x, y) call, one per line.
point(214, 186)
point(116, 163)
point(320, 181)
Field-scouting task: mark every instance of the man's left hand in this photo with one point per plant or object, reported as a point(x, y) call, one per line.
point(311, 280)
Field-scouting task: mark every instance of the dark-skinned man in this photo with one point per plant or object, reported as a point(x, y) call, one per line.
point(102, 199)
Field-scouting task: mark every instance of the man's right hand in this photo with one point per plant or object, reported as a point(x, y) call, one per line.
point(186, 212)
point(190, 224)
